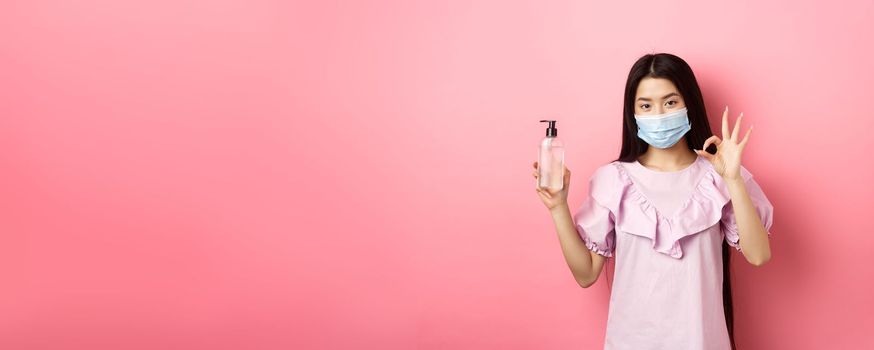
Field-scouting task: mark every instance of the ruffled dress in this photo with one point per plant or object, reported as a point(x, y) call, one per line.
point(665, 230)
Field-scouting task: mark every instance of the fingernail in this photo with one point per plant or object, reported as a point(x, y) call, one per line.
point(726, 107)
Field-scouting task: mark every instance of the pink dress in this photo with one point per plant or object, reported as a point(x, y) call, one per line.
point(665, 230)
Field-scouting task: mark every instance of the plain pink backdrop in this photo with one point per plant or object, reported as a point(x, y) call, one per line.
point(332, 175)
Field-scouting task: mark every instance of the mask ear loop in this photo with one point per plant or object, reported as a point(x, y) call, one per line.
point(690, 128)
point(690, 125)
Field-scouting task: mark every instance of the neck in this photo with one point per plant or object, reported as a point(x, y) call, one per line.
point(674, 158)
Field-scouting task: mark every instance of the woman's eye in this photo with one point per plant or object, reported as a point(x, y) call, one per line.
point(644, 106)
point(671, 103)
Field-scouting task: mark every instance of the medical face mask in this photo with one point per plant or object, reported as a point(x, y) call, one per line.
point(663, 130)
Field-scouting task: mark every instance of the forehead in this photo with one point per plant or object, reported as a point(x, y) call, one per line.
point(655, 88)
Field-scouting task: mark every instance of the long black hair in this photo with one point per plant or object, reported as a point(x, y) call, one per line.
point(673, 68)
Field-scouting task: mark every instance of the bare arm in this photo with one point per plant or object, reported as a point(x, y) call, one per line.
point(585, 264)
point(753, 236)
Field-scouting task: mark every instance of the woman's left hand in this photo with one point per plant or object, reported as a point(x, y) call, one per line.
point(726, 161)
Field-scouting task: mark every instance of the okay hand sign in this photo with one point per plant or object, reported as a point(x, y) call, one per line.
point(726, 161)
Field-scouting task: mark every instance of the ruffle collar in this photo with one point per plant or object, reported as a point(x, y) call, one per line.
point(635, 214)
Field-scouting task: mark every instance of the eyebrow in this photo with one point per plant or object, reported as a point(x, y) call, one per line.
point(666, 96)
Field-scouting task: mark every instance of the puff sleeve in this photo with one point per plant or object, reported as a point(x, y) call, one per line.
point(760, 201)
point(593, 220)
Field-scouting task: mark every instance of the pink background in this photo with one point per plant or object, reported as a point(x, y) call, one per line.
point(270, 175)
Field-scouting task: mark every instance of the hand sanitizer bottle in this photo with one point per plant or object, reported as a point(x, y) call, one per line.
point(551, 160)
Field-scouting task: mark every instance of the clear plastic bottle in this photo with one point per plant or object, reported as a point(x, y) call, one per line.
point(551, 160)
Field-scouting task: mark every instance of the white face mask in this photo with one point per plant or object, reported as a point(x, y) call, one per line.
point(663, 130)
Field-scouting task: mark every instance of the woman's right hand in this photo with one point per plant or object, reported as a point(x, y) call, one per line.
point(553, 199)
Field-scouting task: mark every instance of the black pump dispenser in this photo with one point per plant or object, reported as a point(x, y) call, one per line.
point(551, 131)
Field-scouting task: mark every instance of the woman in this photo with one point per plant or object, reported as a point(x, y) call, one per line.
point(668, 213)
